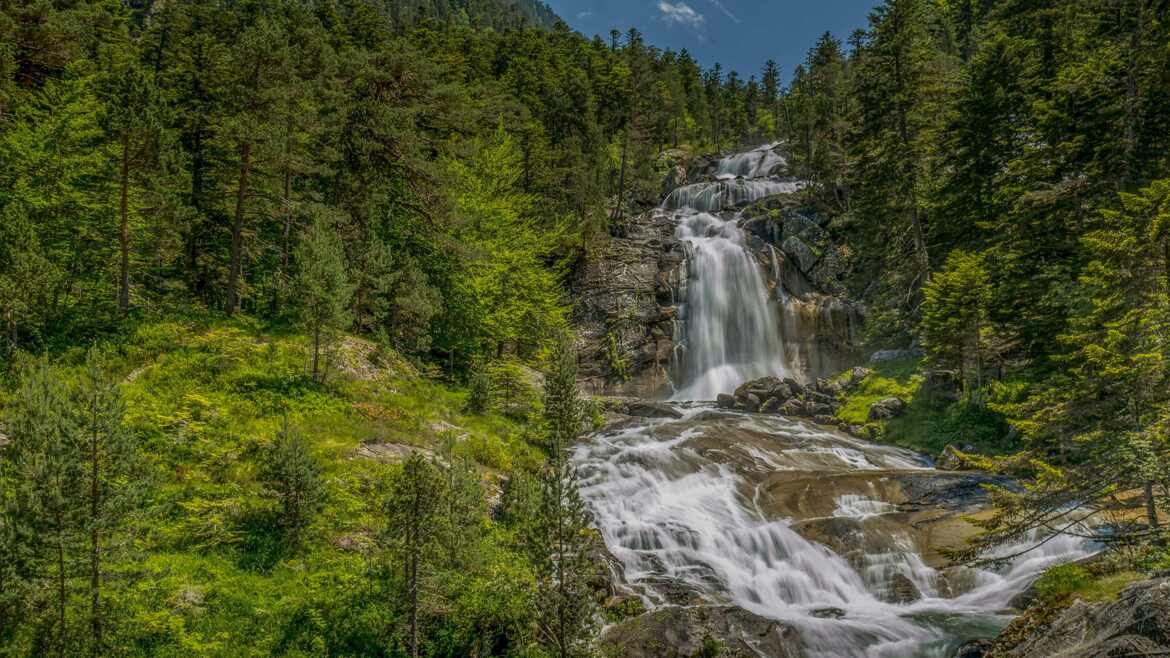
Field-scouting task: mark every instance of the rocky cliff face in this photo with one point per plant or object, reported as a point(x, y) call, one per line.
point(628, 292)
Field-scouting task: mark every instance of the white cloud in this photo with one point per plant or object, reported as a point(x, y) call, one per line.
point(726, 12)
point(584, 14)
point(680, 13)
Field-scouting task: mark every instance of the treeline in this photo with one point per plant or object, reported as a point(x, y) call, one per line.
point(164, 155)
point(1002, 170)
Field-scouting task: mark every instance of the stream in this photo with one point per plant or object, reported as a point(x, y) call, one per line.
point(835, 536)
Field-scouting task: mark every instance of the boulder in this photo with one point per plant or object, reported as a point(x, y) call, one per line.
point(725, 401)
point(715, 631)
point(828, 613)
point(771, 406)
point(886, 409)
point(952, 458)
point(818, 409)
point(828, 387)
point(794, 386)
point(793, 407)
point(801, 253)
point(1136, 624)
point(749, 402)
point(903, 590)
point(649, 409)
point(856, 376)
point(882, 356)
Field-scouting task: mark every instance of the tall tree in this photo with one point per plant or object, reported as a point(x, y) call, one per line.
point(325, 291)
point(413, 507)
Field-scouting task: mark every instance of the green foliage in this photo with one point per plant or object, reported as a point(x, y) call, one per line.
point(955, 318)
point(324, 291)
point(1061, 581)
point(479, 394)
point(293, 474)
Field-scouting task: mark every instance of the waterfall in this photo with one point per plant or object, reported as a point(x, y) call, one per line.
point(712, 502)
point(731, 329)
point(788, 520)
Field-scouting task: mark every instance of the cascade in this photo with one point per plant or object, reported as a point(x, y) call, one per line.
point(790, 521)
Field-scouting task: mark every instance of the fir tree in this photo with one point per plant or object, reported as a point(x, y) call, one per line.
point(413, 509)
point(325, 291)
point(292, 472)
point(557, 539)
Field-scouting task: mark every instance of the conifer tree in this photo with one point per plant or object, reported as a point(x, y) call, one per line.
point(954, 317)
point(294, 474)
point(557, 540)
point(109, 453)
point(413, 510)
point(48, 505)
point(325, 291)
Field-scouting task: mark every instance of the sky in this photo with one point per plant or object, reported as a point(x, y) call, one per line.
point(739, 34)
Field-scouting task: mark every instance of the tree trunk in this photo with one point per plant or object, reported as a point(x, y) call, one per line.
point(124, 225)
point(233, 296)
point(193, 236)
point(95, 542)
point(61, 593)
point(316, 348)
point(1151, 506)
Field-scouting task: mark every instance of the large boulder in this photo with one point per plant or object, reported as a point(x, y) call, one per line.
point(651, 409)
point(886, 409)
point(800, 252)
point(953, 458)
point(1136, 624)
point(714, 631)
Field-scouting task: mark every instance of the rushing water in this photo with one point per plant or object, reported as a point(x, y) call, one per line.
point(715, 503)
point(747, 509)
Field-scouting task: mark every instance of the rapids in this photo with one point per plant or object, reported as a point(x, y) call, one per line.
point(783, 518)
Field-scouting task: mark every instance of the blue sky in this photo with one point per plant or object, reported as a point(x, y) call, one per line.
point(740, 34)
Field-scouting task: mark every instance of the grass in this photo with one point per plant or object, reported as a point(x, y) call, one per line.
point(931, 421)
point(208, 574)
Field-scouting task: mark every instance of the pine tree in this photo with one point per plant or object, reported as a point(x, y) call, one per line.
point(413, 510)
point(557, 539)
point(955, 318)
point(110, 455)
point(292, 472)
point(49, 503)
point(479, 395)
point(325, 291)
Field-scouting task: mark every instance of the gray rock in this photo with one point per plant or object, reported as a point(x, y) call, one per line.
point(771, 406)
point(818, 409)
point(886, 409)
point(793, 407)
point(800, 252)
point(649, 409)
point(683, 631)
point(856, 376)
point(1136, 624)
point(828, 613)
point(725, 401)
point(952, 458)
point(903, 590)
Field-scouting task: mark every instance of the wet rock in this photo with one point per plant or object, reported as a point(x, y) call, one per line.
point(725, 401)
point(749, 402)
point(886, 409)
point(973, 649)
point(794, 386)
point(675, 632)
point(818, 409)
point(828, 613)
point(771, 406)
point(793, 407)
point(952, 458)
point(649, 409)
point(824, 420)
point(903, 590)
point(800, 252)
point(1136, 624)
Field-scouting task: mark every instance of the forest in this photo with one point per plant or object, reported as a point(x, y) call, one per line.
point(242, 242)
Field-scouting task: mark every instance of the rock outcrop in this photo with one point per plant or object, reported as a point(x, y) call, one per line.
point(712, 631)
point(1136, 624)
point(625, 311)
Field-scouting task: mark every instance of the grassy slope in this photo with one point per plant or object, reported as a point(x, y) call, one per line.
point(930, 422)
point(209, 574)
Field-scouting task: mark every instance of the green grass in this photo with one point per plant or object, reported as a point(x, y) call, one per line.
point(209, 573)
point(930, 421)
